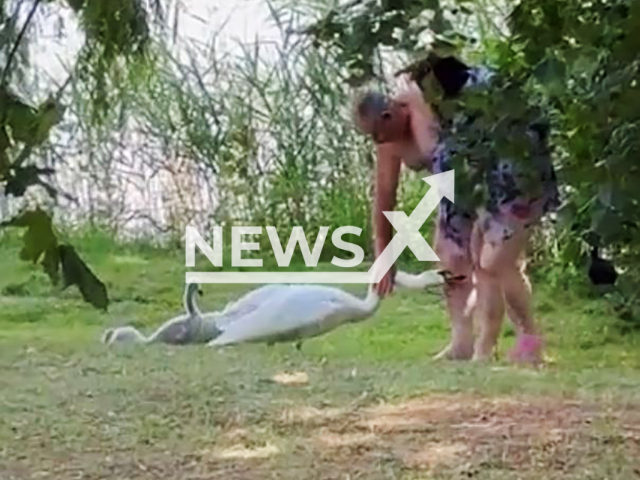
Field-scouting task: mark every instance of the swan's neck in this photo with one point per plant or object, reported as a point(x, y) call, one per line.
point(371, 301)
point(190, 303)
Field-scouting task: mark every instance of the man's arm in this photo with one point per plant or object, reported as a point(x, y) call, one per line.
point(387, 177)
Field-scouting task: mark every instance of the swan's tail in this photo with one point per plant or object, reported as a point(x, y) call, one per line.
point(119, 335)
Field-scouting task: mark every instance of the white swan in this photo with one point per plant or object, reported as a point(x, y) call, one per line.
point(184, 329)
point(278, 313)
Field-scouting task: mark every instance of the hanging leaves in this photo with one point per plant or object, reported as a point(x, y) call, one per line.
point(76, 272)
point(20, 122)
point(119, 26)
point(39, 236)
point(40, 246)
point(22, 178)
point(4, 156)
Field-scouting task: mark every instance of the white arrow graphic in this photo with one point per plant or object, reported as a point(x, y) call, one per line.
point(408, 228)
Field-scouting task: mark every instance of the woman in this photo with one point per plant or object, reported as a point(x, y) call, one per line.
point(481, 249)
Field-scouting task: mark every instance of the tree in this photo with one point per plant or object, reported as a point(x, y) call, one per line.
point(575, 61)
point(116, 34)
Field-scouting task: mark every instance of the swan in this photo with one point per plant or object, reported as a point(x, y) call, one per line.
point(184, 329)
point(281, 312)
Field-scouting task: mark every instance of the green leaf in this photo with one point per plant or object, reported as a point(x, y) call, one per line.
point(606, 223)
point(22, 178)
point(550, 70)
point(4, 139)
point(4, 157)
point(39, 236)
point(20, 117)
point(566, 214)
point(49, 114)
point(40, 242)
point(51, 264)
point(27, 125)
point(76, 5)
point(76, 272)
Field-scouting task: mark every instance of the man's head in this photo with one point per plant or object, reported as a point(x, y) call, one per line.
point(385, 119)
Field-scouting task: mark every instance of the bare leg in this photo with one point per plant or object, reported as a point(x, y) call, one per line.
point(517, 294)
point(460, 297)
point(517, 289)
point(489, 313)
point(501, 269)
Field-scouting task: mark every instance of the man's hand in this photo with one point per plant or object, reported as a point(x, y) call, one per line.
point(385, 287)
point(409, 92)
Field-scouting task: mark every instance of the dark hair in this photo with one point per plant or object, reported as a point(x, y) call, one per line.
point(451, 74)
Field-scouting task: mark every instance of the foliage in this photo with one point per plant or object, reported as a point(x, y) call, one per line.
point(574, 63)
point(113, 29)
point(40, 245)
point(588, 71)
point(266, 128)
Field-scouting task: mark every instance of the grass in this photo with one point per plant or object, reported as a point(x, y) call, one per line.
point(369, 403)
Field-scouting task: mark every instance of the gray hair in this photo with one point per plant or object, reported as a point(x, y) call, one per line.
point(371, 104)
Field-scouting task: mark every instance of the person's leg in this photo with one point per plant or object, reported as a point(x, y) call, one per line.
point(517, 291)
point(489, 312)
point(502, 278)
point(517, 294)
point(459, 293)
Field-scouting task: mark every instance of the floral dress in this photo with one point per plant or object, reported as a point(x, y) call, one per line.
point(504, 200)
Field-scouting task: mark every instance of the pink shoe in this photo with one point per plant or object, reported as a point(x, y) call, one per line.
point(528, 349)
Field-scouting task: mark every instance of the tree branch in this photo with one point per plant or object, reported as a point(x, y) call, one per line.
point(14, 49)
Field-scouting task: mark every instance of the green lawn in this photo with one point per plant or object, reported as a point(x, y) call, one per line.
point(369, 402)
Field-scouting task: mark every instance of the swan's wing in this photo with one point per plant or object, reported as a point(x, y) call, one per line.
point(175, 331)
point(284, 314)
point(248, 303)
point(125, 334)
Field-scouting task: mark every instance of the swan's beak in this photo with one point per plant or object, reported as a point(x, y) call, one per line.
point(449, 277)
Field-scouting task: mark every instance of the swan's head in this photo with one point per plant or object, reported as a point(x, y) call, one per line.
point(108, 335)
point(449, 277)
point(192, 289)
point(190, 305)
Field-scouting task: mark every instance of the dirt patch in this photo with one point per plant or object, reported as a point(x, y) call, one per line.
point(444, 437)
point(293, 379)
point(462, 434)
